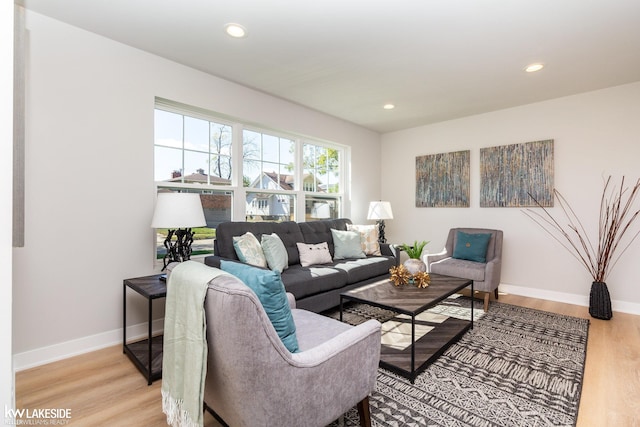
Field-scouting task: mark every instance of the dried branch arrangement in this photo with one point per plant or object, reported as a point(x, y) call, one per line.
point(617, 215)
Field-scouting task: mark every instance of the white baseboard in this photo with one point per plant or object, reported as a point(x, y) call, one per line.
point(583, 300)
point(53, 353)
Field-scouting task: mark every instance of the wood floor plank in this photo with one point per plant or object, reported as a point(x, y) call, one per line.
point(105, 388)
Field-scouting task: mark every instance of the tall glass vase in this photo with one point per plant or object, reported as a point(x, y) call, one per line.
point(600, 301)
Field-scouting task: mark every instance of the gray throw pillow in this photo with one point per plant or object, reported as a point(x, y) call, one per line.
point(275, 252)
point(347, 244)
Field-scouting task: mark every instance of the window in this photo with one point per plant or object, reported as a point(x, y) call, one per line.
point(268, 163)
point(280, 176)
point(192, 153)
point(322, 178)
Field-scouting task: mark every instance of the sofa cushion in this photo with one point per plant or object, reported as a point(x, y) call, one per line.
point(346, 244)
point(362, 269)
point(249, 250)
point(314, 254)
point(274, 252)
point(459, 268)
point(313, 329)
point(305, 281)
point(269, 288)
point(471, 246)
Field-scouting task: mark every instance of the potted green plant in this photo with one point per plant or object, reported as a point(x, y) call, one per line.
point(617, 215)
point(414, 264)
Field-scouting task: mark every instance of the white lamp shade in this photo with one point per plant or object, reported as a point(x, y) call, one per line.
point(178, 210)
point(321, 210)
point(380, 210)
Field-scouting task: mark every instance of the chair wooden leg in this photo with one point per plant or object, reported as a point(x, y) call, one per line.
point(486, 301)
point(495, 293)
point(363, 411)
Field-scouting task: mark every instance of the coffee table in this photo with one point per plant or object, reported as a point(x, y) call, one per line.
point(435, 333)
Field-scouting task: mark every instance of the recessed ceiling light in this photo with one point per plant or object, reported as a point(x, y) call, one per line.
point(532, 68)
point(388, 106)
point(235, 30)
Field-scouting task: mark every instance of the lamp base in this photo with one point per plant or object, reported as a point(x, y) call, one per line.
point(381, 237)
point(178, 250)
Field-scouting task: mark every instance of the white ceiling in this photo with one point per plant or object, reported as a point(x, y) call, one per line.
point(434, 59)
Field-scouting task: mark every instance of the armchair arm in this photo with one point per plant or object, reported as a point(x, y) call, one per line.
point(429, 258)
point(292, 300)
point(492, 273)
point(389, 250)
point(362, 340)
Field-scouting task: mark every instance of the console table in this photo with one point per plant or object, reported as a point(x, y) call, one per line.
point(146, 354)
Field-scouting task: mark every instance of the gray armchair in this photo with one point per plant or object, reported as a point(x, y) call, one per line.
point(253, 380)
point(485, 276)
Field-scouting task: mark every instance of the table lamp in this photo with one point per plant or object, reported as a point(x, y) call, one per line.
point(178, 212)
point(380, 211)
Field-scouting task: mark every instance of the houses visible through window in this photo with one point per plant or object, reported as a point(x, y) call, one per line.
point(277, 175)
point(270, 207)
point(266, 154)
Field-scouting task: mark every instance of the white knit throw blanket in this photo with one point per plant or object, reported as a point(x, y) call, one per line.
point(184, 358)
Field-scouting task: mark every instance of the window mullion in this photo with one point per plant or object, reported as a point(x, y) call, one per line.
point(237, 155)
point(298, 180)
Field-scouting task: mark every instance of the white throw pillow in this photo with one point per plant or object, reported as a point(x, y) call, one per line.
point(368, 238)
point(314, 254)
point(346, 244)
point(248, 249)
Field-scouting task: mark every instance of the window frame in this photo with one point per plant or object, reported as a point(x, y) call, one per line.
point(237, 189)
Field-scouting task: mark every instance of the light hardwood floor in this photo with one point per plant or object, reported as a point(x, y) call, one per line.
point(103, 388)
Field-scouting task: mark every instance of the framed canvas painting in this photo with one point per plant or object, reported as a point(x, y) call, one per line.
point(511, 174)
point(442, 180)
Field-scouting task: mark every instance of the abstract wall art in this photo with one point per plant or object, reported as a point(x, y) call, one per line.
point(442, 180)
point(509, 173)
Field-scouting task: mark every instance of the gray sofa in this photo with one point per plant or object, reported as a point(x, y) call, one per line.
point(316, 288)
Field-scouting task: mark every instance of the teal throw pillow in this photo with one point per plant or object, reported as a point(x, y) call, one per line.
point(275, 252)
point(269, 288)
point(471, 246)
point(347, 244)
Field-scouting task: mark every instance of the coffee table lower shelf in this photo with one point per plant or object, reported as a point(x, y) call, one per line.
point(427, 349)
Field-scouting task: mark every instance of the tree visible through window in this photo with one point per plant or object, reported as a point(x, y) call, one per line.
point(323, 163)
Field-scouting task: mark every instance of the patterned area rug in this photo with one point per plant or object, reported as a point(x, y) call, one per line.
point(516, 367)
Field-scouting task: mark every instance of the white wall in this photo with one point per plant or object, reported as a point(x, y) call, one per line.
point(89, 178)
point(596, 134)
point(6, 201)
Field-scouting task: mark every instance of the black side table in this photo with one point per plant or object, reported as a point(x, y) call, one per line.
point(145, 354)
